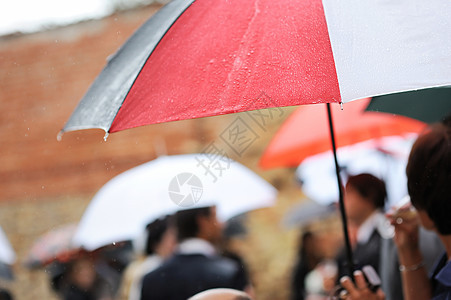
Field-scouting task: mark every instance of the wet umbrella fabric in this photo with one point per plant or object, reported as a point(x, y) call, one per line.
point(270, 54)
point(122, 208)
point(428, 105)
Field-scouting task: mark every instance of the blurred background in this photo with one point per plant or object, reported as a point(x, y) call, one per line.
point(44, 183)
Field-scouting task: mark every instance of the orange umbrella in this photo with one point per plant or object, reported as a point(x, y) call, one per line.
point(306, 132)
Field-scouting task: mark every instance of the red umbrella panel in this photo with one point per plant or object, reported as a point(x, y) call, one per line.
point(288, 148)
point(209, 57)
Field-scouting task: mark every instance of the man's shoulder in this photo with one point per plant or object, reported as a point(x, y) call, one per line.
point(196, 263)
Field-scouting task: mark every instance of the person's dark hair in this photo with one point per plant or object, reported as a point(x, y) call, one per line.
point(369, 187)
point(429, 174)
point(5, 294)
point(186, 222)
point(155, 232)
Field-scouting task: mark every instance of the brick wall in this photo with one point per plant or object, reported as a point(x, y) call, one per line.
point(42, 78)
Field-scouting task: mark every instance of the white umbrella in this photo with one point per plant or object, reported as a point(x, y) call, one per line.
point(7, 254)
point(384, 158)
point(307, 211)
point(128, 202)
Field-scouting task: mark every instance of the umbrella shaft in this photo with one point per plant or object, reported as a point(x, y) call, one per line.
point(350, 261)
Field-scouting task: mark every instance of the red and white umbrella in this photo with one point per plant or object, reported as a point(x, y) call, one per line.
point(210, 57)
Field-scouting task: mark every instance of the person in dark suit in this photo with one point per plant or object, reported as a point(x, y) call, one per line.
point(365, 197)
point(196, 265)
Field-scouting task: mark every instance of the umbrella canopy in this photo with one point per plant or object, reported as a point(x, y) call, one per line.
point(306, 212)
point(54, 245)
point(7, 257)
point(288, 147)
point(428, 105)
point(7, 254)
point(127, 203)
point(270, 54)
point(384, 158)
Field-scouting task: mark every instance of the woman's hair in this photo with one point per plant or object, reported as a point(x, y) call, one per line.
point(429, 174)
point(370, 187)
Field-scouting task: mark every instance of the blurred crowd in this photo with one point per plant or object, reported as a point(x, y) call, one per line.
point(398, 252)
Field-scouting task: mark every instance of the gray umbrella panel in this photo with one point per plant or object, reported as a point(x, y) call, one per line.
point(99, 106)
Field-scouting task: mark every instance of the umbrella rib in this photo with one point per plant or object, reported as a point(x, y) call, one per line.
point(105, 97)
point(180, 6)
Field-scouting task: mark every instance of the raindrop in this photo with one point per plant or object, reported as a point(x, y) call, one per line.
point(114, 243)
point(59, 136)
point(42, 187)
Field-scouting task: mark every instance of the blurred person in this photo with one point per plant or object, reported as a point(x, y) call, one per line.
point(160, 243)
point(221, 294)
point(308, 258)
point(428, 178)
point(364, 198)
point(5, 294)
point(196, 265)
point(82, 282)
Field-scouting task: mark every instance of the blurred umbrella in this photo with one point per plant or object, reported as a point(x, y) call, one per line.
point(428, 105)
point(7, 257)
point(306, 212)
point(128, 202)
point(385, 158)
point(7, 254)
point(54, 245)
point(288, 148)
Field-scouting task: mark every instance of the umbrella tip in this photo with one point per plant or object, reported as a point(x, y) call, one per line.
point(105, 137)
point(341, 105)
